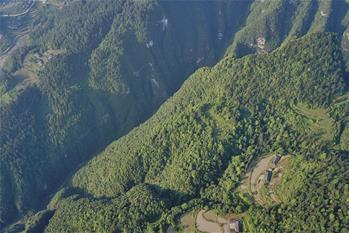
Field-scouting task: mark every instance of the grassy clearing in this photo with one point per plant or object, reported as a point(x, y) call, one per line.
point(265, 196)
point(317, 120)
point(293, 179)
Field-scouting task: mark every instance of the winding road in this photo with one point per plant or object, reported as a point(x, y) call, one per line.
point(20, 14)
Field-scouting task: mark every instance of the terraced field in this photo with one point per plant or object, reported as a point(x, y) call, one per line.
point(203, 221)
point(317, 120)
point(254, 180)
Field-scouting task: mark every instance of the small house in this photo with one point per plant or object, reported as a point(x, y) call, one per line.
point(267, 176)
point(276, 159)
point(235, 225)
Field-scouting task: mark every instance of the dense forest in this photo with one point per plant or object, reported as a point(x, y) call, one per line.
point(97, 69)
point(93, 89)
point(194, 152)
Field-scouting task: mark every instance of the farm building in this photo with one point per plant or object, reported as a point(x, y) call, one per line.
point(235, 225)
point(267, 176)
point(276, 159)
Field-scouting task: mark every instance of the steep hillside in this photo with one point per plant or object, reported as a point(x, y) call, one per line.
point(80, 74)
point(270, 23)
point(97, 69)
point(198, 146)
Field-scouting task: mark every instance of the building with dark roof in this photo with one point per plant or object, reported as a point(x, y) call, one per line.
point(235, 225)
point(276, 159)
point(267, 176)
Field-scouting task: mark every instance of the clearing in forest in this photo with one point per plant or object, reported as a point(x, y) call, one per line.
point(204, 221)
point(254, 181)
point(317, 120)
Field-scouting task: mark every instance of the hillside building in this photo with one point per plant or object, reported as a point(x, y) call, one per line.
point(268, 175)
point(235, 225)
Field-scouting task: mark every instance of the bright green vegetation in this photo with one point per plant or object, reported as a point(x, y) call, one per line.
point(195, 150)
point(194, 117)
point(141, 204)
point(118, 62)
point(317, 120)
point(264, 193)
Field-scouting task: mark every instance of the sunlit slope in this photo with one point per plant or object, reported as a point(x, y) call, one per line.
point(80, 74)
point(186, 144)
point(195, 150)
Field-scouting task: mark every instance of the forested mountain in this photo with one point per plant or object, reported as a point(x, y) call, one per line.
point(80, 74)
point(195, 150)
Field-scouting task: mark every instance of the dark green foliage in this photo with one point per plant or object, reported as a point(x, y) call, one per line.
point(139, 51)
point(125, 213)
point(88, 96)
point(78, 26)
point(38, 222)
point(14, 62)
point(18, 125)
point(200, 142)
point(61, 92)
